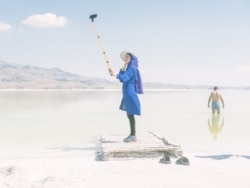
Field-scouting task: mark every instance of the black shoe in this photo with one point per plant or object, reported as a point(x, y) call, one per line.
point(165, 160)
point(182, 161)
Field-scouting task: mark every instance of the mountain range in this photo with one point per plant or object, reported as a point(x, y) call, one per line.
point(13, 76)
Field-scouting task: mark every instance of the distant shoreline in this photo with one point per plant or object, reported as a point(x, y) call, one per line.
point(119, 89)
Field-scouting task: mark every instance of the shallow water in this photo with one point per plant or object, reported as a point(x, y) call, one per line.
point(71, 119)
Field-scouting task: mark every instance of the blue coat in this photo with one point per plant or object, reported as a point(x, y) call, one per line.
point(130, 101)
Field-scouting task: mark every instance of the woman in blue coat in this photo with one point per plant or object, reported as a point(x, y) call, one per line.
point(129, 75)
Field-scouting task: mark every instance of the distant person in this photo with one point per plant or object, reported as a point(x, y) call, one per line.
point(129, 75)
point(216, 97)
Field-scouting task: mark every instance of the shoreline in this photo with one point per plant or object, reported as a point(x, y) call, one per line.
point(118, 89)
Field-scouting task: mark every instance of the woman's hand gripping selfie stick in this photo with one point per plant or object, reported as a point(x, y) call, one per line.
point(92, 17)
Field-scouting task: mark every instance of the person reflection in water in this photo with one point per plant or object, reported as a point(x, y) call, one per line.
point(215, 125)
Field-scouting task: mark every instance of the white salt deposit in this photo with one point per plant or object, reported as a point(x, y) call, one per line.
point(77, 168)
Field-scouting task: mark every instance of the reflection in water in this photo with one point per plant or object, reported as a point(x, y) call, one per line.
point(45, 119)
point(18, 101)
point(215, 125)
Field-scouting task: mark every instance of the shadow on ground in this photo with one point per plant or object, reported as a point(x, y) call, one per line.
point(222, 157)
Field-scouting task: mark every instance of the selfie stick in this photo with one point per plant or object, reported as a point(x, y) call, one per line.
point(92, 17)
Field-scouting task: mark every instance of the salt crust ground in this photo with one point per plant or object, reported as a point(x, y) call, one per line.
point(76, 168)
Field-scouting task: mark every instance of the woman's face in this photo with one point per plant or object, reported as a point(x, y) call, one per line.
point(127, 59)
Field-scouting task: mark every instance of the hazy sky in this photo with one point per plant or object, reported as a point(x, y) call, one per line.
point(176, 41)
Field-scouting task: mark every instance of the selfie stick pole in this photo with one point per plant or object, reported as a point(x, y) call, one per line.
point(92, 17)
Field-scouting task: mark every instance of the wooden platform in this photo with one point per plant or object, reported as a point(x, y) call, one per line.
point(147, 145)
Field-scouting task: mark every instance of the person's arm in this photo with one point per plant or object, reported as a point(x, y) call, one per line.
point(222, 101)
point(112, 73)
point(222, 123)
point(126, 75)
point(209, 124)
point(209, 100)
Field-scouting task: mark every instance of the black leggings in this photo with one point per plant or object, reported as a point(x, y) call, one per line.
point(132, 124)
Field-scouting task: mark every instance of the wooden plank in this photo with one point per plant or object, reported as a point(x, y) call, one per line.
point(147, 145)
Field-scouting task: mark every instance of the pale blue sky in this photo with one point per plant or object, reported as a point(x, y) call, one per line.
point(176, 41)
